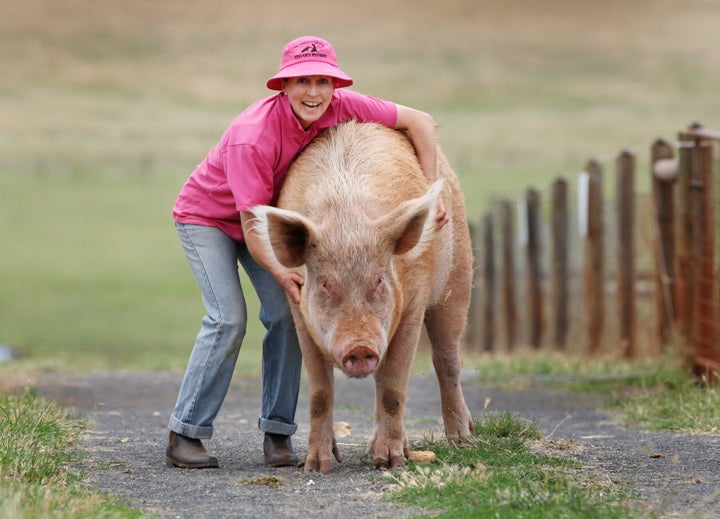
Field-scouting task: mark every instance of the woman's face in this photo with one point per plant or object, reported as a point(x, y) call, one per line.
point(309, 97)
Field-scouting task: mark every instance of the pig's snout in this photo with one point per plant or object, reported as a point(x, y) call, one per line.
point(360, 361)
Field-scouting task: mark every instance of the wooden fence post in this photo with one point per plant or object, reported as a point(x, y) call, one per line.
point(508, 255)
point(664, 174)
point(594, 270)
point(560, 270)
point(704, 259)
point(472, 331)
point(534, 269)
point(488, 239)
point(684, 240)
point(625, 196)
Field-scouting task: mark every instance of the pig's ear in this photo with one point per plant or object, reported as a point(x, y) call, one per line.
point(286, 233)
point(411, 225)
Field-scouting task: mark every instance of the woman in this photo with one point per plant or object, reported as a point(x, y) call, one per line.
point(246, 168)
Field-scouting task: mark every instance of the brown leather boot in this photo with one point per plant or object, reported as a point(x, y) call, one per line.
point(188, 453)
point(279, 451)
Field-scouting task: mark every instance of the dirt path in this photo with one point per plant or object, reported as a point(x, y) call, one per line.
point(671, 474)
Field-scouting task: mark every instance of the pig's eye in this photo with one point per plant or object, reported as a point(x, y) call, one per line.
point(329, 291)
point(379, 284)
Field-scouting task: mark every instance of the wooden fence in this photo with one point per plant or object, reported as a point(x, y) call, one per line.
point(632, 275)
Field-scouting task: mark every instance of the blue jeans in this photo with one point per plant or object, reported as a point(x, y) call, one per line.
point(213, 257)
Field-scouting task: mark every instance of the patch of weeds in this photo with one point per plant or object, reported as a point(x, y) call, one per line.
point(264, 481)
point(366, 459)
point(496, 474)
point(676, 402)
point(578, 374)
point(36, 439)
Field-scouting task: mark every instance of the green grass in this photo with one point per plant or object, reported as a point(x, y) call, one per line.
point(96, 277)
point(674, 402)
point(38, 478)
point(573, 372)
point(660, 393)
point(499, 475)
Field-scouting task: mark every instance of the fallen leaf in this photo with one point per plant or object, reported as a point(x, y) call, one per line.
point(657, 455)
point(422, 456)
point(341, 429)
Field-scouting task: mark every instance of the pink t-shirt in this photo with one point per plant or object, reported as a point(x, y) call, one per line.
point(247, 167)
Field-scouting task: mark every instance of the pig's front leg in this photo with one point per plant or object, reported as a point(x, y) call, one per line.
point(321, 443)
point(388, 443)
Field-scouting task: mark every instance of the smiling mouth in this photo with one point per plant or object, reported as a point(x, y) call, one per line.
point(311, 105)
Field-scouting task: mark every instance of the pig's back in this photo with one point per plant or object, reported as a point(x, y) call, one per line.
point(356, 165)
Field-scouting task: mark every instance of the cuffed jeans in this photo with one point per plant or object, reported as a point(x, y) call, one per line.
point(213, 257)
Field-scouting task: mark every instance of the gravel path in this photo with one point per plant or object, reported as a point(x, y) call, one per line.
point(673, 475)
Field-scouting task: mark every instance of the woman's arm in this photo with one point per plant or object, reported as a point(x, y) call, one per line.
point(291, 281)
point(420, 126)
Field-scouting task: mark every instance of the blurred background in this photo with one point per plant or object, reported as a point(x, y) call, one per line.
point(107, 106)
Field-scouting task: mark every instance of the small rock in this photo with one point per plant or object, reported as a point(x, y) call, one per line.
point(5, 353)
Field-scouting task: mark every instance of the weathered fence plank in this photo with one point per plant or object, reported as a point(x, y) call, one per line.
point(664, 174)
point(706, 361)
point(625, 198)
point(534, 269)
point(594, 269)
point(560, 272)
point(489, 271)
point(472, 331)
point(507, 228)
point(684, 241)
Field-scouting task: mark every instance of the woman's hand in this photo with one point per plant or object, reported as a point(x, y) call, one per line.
point(441, 218)
point(292, 282)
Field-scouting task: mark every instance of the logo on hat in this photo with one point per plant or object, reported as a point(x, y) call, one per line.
point(310, 50)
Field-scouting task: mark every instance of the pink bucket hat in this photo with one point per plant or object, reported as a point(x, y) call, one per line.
point(309, 56)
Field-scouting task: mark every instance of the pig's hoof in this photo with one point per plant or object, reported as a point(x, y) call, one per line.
point(389, 454)
point(315, 465)
point(390, 458)
point(383, 463)
point(315, 461)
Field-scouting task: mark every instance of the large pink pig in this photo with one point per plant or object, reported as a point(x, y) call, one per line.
point(356, 218)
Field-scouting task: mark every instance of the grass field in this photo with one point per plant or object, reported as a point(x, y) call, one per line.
point(107, 106)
